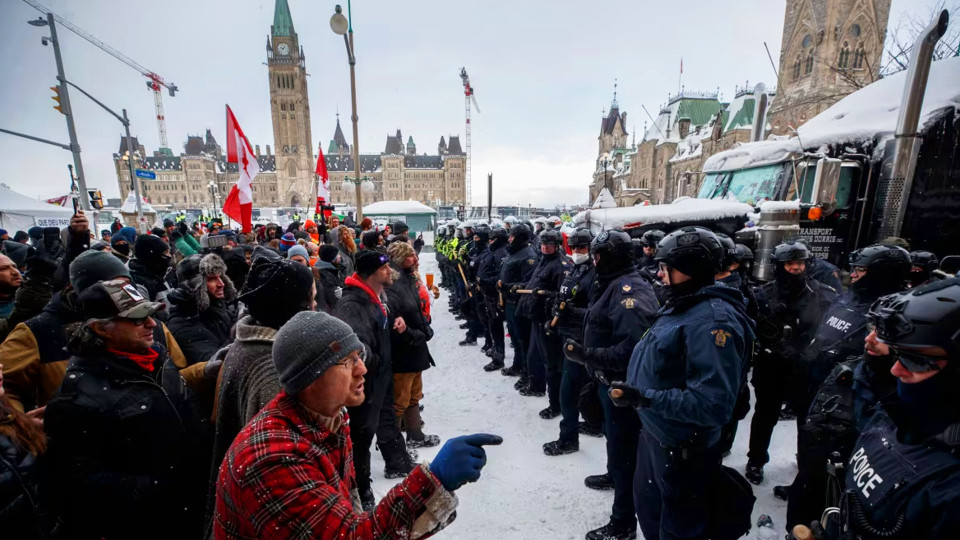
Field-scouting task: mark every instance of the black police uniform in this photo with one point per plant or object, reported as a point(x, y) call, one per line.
point(488, 273)
point(544, 354)
point(622, 308)
point(516, 270)
point(574, 296)
point(826, 273)
point(789, 317)
point(478, 250)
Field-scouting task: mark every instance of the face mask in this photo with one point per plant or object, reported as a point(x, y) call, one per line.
point(123, 249)
point(580, 258)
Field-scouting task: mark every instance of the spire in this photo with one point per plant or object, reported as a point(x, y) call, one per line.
point(614, 104)
point(282, 21)
point(339, 138)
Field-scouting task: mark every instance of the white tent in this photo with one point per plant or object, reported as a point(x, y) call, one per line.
point(19, 212)
point(605, 200)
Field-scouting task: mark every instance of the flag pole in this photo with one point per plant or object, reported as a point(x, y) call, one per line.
point(680, 77)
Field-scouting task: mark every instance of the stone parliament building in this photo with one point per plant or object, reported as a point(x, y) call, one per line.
point(287, 177)
point(830, 49)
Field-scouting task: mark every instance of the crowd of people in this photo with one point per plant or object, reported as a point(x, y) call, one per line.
point(198, 382)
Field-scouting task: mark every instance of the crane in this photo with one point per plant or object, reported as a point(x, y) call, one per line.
point(154, 81)
point(468, 99)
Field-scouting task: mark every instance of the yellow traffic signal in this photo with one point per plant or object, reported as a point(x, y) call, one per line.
point(56, 97)
point(96, 199)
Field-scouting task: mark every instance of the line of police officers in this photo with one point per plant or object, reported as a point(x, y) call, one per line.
point(651, 341)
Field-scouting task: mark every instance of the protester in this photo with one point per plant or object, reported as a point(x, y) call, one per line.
point(409, 351)
point(123, 242)
point(363, 307)
point(290, 472)
point(366, 224)
point(10, 280)
point(287, 241)
point(371, 240)
point(203, 308)
point(149, 267)
point(347, 247)
point(125, 443)
point(327, 272)
point(311, 228)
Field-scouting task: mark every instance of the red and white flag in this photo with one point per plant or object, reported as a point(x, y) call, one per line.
point(323, 179)
point(239, 202)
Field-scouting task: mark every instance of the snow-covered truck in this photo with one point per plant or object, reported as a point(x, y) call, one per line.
point(883, 161)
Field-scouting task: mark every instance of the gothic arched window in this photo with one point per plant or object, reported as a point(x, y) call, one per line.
point(807, 41)
point(808, 66)
point(859, 57)
point(797, 67)
point(844, 59)
point(291, 169)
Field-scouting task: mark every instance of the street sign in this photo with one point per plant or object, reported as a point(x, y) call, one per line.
point(149, 175)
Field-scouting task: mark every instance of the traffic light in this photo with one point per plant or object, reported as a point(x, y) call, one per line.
point(56, 97)
point(96, 199)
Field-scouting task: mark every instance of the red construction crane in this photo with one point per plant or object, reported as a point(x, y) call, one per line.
point(468, 99)
point(155, 82)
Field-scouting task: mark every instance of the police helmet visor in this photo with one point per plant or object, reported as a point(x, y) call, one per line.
point(915, 362)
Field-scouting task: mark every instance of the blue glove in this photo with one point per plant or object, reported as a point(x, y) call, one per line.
point(461, 458)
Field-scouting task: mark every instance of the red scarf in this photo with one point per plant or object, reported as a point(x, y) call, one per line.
point(145, 361)
point(355, 281)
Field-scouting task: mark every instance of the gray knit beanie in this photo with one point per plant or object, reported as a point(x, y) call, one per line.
point(93, 266)
point(298, 250)
point(307, 345)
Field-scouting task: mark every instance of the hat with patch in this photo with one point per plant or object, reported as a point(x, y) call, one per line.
point(116, 298)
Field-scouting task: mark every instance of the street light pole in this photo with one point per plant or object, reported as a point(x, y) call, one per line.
point(71, 129)
point(344, 26)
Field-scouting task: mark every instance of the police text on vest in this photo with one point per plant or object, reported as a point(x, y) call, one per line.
point(863, 473)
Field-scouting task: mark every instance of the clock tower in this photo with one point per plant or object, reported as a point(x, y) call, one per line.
point(290, 110)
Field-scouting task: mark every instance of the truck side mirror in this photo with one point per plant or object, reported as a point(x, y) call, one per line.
point(825, 183)
point(950, 264)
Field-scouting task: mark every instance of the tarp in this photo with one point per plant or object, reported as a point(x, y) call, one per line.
point(396, 208)
point(681, 210)
point(19, 212)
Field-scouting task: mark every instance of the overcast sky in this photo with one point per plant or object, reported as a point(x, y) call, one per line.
point(543, 72)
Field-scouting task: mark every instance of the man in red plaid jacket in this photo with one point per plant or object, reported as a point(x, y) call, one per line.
point(289, 473)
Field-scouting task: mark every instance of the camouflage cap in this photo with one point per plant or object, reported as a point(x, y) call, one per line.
point(116, 298)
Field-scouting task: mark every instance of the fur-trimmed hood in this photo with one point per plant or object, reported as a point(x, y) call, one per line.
point(192, 273)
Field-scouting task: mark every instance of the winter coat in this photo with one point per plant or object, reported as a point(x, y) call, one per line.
point(346, 260)
point(200, 324)
point(147, 278)
point(516, 268)
point(128, 451)
point(547, 276)
point(34, 355)
point(622, 307)
point(367, 315)
point(788, 321)
point(33, 295)
point(690, 366)
point(290, 476)
point(488, 267)
point(839, 336)
point(246, 383)
point(328, 281)
point(409, 350)
point(24, 509)
point(575, 296)
point(825, 273)
point(187, 245)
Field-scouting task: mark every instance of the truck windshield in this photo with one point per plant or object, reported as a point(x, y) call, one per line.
point(751, 186)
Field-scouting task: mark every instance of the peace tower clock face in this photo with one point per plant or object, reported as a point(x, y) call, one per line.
point(283, 49)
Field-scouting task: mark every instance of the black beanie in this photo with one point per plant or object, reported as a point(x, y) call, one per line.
point(371, 239)
point(149, 248)
point(276, 290)
point(328, 253)
point(369, 261)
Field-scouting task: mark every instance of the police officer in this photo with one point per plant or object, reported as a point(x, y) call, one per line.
point(509, 222)
point(544, 354)
point(683, 380)
point(515, 270)
point(622, 307)
point(875, 271)
point(480, 249)
point(791, 308)
point(841, 408)
point(731, 276)
point(647, 264)
point(488, 273)
point(902, 479)
point(568, 313)
point(924, 263)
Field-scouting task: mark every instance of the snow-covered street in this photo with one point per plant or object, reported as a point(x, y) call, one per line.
point(524, 494)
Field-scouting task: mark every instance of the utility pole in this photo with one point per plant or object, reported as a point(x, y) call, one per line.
point(133, 177)
point(71, 128)
point(490, 197)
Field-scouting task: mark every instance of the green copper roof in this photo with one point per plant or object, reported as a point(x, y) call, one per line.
point(699, 111)
point(743, 117)
point(282, 21)
point(410, 140)
point(332, 149)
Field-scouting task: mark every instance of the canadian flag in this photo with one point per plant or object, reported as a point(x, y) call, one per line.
point(323, 180)
point(239, 202)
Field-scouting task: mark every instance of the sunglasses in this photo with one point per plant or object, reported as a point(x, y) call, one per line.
point(915, 362)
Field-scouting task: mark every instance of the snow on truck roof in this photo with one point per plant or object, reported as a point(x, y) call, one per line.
point(682, 209)
point(868, 113)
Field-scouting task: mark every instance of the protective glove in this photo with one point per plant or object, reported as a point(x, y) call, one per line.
point(547, 328)
point(575, 352)
point(40, 265)
point(624, 395)
point(461, 459)
point(338, 292)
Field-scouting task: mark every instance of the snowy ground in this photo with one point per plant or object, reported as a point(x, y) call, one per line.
point(524, 494)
